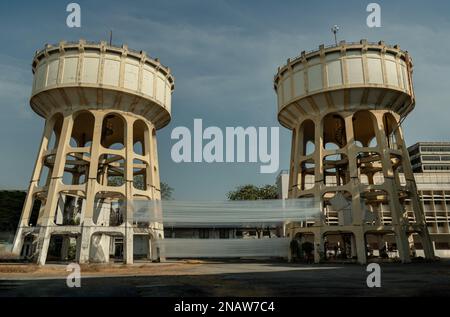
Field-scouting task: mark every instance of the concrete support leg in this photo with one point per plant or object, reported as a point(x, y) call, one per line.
point(162, 255)
point(380, 244)
point(318, 247)
point(289, 257)
point(43, 244)
point(107, 247)
point(78, 249)
point(427, 244)
point(84, 246)
point(353, 247)
point(412, 248)
point(161, 249)
point(65, 248)
point(18, 241)
point(150, 248)
point(128, 246)
point(360, 242)
point(402, 245)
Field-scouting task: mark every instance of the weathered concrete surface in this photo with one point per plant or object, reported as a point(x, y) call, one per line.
point(249, 279)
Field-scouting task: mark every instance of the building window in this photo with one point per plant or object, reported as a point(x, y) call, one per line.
point(223, 234)
point(442, 245)
point(431, 158)
point(203, 233)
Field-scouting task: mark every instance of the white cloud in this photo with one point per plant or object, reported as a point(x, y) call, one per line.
point(15, 86)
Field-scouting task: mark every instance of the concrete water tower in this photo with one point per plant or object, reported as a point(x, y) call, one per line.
point(345, 104)
point(102, 106)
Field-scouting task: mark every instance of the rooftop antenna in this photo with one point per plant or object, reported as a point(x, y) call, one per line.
point(110, 38)
point(335, 29)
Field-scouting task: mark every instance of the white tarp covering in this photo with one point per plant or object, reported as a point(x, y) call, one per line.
point(222, 248)
point(225, 214)
point(233, 213)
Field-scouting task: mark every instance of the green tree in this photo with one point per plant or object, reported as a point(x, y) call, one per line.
point(252, 192)
point(11, 204)
point(268, 192)
point(166, 191)
point(138, 182)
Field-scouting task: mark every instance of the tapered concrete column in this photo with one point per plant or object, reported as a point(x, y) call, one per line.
point(359, 243)
point(357, 216)
point(78, 249)
point(43, 244)
point(318, 246)
point(18, 241)
point(380, 243)
point(297, 146)
point(65, 248)
point(319, 151)
point(150, 248)
point(129, 188)
point(155, 170)
point(159, 250)
point(412, 248)
point(157, 227)
point(427, 244)
point(34, 182)
point(353, 246)
point(128, 247)
point(289, 253)
point(419, 213)
point(47, 219)
point(84, 245)
point(91, 190)
point(401, 240)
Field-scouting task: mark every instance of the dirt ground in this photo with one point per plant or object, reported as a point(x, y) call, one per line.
point(235, 279)
point(11, 271)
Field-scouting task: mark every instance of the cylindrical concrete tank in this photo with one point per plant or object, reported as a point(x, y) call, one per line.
point(85, 75)
point(349, 76)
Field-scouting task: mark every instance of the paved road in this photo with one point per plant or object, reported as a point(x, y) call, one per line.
point(253, 279)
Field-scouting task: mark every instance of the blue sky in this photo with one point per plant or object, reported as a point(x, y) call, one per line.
point(224, 55)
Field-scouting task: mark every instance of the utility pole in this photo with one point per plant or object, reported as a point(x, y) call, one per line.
point(335, 29)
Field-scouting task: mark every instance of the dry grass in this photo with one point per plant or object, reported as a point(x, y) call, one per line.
point(7, 255)
point(18, 268)
point(194, 262)
point(33, 270)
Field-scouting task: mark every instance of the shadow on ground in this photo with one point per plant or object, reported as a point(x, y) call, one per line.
point(253, 279)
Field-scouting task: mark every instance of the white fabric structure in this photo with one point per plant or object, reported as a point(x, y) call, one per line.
point(223, 248)
point(232, 213)
point(229, 214)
